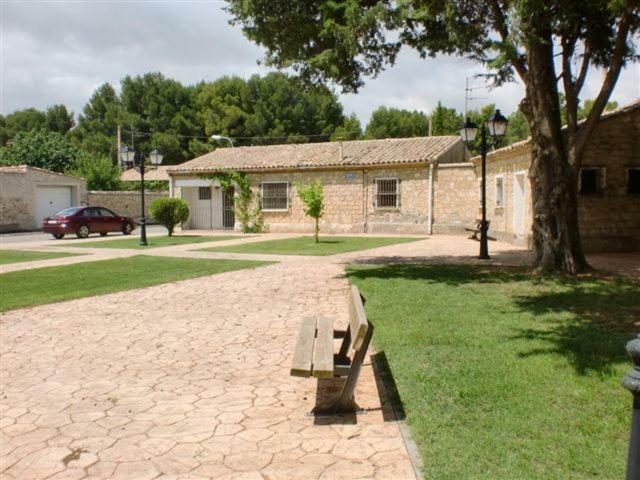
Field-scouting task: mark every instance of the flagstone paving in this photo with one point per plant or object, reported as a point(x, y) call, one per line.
point(191, 379)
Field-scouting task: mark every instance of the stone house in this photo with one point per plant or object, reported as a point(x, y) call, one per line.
point(409, 185)
point(28, 194)
point(609, 186)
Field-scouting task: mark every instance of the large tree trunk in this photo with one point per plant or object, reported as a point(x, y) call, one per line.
point(556, 234)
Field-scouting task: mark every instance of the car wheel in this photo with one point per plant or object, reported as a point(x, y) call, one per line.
point(127, 228)
point(83, 231)
point(58, 235)
point(103, 234)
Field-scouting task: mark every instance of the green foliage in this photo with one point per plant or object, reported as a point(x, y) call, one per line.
point(157, 185)
point(100, 172)
point(39, 148)
point(445, 121)
point(349, 130)
point(517, 129)
point(170, 212)
point(58, 119)
point(396, 123)
point(313, 197)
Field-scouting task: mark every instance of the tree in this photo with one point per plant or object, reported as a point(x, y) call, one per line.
point(100, 172)
point(313, 197)
point(59, 119)
point(24, 121)
point(396, 123)
point(39, 148)
point(346, 41)
point(170, 212)
point(349, 130)
point(517, 129)
point(445, 121)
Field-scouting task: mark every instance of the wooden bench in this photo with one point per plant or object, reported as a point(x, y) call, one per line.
point(476, 229)
point(314, 354)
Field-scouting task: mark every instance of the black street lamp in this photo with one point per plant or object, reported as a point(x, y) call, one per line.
point(497, 126)
point(132, 159)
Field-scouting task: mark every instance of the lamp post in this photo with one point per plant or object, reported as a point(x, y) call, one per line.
point(135, 159)
point(497, 126)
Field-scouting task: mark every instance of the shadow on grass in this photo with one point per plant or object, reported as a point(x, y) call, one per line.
point(603, 316)
point(586, 319)
point(512, 258)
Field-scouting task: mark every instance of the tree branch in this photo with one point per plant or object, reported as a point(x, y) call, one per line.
point(610, 79)
point(501, 26)
point(571, 97)
point(584, 68)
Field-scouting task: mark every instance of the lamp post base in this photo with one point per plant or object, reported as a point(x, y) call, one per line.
point(143, 232)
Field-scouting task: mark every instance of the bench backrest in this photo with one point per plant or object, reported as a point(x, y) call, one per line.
point(358, 323)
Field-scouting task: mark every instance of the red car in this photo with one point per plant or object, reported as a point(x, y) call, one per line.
point(83, 221)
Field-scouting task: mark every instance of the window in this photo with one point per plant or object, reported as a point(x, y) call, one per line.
point(633, 180)
point(275, 196)
point(90, 212)
point(106, 213)
point(499, 191)
point(204, 193)
point(387, 193)
point(591, 180)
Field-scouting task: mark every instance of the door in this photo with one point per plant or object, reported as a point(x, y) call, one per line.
point(50, 200)
point(92, 218)
point(229, 218)
point(111, 221)
point(518, 203)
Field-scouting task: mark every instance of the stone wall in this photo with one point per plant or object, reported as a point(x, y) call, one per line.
point(18, 195)
point(124, 203)
point(610, 220)
point(455, 198)
point(349, 197)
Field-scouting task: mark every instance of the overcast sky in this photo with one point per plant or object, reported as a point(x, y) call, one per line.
point(60, 51)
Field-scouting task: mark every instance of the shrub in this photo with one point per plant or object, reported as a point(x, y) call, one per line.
point(313, 197)
point(169, 212)
point(100, 172)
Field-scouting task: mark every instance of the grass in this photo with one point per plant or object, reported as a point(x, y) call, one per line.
point(16, 256)
point(54, 284)
point(308, 246)
point(133, 242)
point(506, 376)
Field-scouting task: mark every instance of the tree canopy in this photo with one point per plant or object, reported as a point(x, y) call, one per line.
point(396, 123)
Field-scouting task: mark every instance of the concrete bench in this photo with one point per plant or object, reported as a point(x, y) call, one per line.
point(314, 353)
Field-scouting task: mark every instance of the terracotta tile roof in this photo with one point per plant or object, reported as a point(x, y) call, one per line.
point(354, 153)
point(159, 173)
point(26, 168)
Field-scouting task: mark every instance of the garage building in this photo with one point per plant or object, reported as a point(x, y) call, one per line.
point(28, 194)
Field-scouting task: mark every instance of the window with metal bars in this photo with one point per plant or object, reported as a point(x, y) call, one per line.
point(387, 193)
point(275, 196)
point(633, 181)
point(204, 193)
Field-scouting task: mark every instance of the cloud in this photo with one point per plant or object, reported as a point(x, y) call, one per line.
point(59, 52)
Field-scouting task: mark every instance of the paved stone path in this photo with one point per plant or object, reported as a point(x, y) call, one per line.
point(191, 379)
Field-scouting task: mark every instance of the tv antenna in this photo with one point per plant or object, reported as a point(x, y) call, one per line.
point(468, 94)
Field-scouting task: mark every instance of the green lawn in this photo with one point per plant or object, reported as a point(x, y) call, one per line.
point(163, 241)
point(16, 256)
point(308, 246)
point(504, 376)
point(53, 284)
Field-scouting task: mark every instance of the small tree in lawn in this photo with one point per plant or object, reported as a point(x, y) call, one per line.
point(170, 212)
point(313, 197)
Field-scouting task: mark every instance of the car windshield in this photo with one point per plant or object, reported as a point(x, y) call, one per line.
point(67, 212)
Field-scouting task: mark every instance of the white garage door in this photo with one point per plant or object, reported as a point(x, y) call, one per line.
point(50, 200)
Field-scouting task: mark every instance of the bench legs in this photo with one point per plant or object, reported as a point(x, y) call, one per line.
point(346, 402)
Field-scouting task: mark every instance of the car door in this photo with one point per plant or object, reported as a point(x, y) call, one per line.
point(111, 220)
point(91, 217)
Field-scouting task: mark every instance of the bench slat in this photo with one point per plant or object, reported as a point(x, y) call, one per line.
point(357, 318)
point(323, 351)
point(302, 357)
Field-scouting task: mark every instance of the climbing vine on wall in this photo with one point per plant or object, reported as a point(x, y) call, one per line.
point(245, 206)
